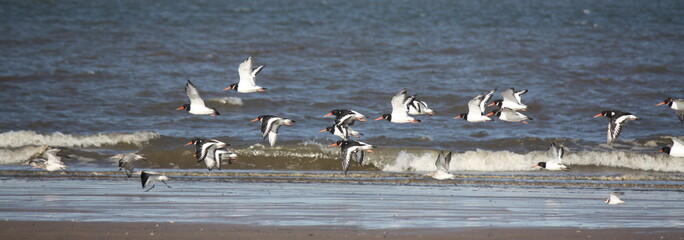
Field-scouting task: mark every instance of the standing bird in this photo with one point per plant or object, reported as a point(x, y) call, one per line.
point(417, 107)
point(511, 99)
point(677, 105)
point(442, 164)
point(247, 82)
point(196, 105)
point(510, 115)
point(476, 108)
point(346, 116)
point(556, 153)
point(614, 199)
point(677, 149)
point(617, 118)
point(399, 111)
point(270, 125)
point(126, 161)
point(50, 162)
point(147, 178)
point(352, 149)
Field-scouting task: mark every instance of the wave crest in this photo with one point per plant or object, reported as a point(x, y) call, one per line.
point(16, 139)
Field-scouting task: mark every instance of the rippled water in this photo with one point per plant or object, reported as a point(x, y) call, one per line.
point(113, 73)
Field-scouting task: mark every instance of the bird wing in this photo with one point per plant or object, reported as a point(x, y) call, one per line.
point(398, 107)
point(677, 144)
point(193, 94)
point(485, 99)
point(518, 95)
point(509, 95)
point(245, 72)
point(474, 105)
point(680, 115)
point(346, 156)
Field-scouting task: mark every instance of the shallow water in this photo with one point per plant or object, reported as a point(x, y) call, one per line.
point(319, 198)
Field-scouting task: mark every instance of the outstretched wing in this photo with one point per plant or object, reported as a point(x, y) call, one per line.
point(193, 94)
point(398, 107)
point(474, 105)
point(485, 99)
point(518, 95)
point(245, 72)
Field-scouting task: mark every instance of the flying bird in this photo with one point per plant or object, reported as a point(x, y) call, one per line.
point(510, 115)
point(126, 161)
point(352, 150)
point(51, 161)
point(677, 105)
point(677, 149)
point(617, 119)
point(556, 153)
point(417, 107)
point(476, 108)
point(196, 105)
point(511, 99)
point(399, 112)
point(211, 151)
point(442, 164)
point(147, 178)
point(248, 75)
point(270, 125)
point(346, 116)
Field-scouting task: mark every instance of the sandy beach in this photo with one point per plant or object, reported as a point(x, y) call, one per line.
point(119, 230)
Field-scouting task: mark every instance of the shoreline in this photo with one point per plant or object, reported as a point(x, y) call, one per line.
point(169, 230)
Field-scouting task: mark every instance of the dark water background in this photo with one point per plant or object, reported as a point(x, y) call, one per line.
point(101, 77)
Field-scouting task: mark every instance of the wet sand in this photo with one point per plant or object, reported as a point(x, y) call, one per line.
point(130, 230)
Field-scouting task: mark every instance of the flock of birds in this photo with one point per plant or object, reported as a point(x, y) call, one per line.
point(214, 152)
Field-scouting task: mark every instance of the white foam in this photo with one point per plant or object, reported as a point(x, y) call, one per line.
point(20, 155)
point(228, 100)
point(502, 161)
point(16, 139)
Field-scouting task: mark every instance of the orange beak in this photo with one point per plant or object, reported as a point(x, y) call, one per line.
point(489, 114)
point(380, 118)
point(180, 108)
point(254, 120)
point(228, 88)
point(189, 143)
point(329, 114)
point(333, 145)
point(457, 117)
point(370, 151)
point(536, 165)
point(491, 104)
point(361, 119)
point(598, 115)
point(662, 103)
point(324, 130)
point(660, 150)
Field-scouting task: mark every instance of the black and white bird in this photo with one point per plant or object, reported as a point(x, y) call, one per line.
point(248, 75)
point(614, 199)
point(126, 161)
point(510, 115)
point(417, 107)
point(212, 152)
point(346, 116)
point(147, 178)
point(51, 161)
point(399, 112)
point(617, 119)
point(677, 105)
point(511, 99)
point(270, 125)
point(343, 131)
point(352, 150)
point(556, 154)
point(677, 149)
point(196, 105)
point(476, 108)
point(442, 164)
